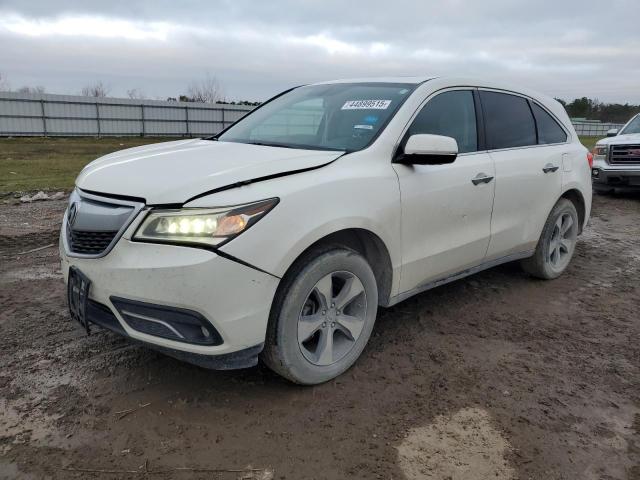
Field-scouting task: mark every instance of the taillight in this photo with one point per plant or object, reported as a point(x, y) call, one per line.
point(590, 159)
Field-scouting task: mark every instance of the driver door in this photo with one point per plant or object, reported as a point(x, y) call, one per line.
point(446, 209)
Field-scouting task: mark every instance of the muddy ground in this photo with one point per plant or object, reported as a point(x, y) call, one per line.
point(496, 376)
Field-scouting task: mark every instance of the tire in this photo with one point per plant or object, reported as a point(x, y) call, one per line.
point(302, 306)
point(556, 244)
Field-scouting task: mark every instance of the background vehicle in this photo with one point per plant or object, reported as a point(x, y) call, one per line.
point(616, 162)
point(284, 234)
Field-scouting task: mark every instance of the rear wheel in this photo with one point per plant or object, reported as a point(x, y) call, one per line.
point(322, 317)
point(556, 244)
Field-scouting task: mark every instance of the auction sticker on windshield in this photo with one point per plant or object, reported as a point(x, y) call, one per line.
point(366, 105)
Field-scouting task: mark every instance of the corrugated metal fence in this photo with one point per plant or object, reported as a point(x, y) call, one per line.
point(66, 115)
point(594, 129)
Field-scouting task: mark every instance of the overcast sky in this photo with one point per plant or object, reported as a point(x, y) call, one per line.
point(565, 48)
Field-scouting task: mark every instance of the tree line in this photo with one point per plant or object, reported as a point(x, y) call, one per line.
point(593, 109)
point(205, 90)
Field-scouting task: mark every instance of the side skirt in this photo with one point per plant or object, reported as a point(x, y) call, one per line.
point(457, 276)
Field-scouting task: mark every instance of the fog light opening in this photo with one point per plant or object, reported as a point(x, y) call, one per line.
point(164, 321)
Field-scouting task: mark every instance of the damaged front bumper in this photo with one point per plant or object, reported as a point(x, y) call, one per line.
point(189, 303)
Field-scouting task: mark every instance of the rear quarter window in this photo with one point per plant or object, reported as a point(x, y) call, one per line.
point(548, 129)
point(508, 120)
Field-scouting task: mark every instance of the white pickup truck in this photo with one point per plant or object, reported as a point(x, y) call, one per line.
point(616, 162)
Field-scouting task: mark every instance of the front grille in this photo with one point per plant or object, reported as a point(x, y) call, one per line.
point(624, 154)
point(94, 223)
point(89, 243)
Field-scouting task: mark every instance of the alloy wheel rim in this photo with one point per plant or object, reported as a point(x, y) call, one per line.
point(332, 318)
point(561, 242)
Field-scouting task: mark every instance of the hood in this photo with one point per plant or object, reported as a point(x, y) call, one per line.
point(174, 172)
point(631, 138)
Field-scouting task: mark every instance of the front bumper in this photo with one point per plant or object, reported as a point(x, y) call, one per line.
point(606, 177)
point(615, 178)
point(233, 297)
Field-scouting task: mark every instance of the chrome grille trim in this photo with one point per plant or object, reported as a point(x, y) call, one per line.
point(96, 242)
point(624, 154)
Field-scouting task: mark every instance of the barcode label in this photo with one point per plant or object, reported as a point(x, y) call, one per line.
point(366, 105)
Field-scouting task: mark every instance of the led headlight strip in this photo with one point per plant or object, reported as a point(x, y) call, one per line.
point(205, 226)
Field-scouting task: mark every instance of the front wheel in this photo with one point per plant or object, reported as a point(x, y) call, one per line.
point(556, 244)
point(322, 317)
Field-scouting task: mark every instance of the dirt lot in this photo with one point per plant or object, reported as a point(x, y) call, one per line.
point(496, 376)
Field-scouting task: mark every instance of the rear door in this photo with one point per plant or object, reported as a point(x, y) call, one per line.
point(446, 216)
point(528, 163)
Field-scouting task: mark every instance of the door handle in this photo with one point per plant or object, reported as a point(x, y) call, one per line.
point(481, 178)
point(549, 167)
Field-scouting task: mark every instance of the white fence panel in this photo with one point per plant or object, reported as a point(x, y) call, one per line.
point(66, 115)
point(594, 129)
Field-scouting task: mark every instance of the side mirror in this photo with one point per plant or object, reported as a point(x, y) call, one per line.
point(424, 149)
point(612, 133)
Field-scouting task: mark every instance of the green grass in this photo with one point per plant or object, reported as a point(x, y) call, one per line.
point(36, 163)
point(589, 142)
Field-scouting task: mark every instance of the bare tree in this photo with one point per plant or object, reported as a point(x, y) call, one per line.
point(27, 89)
point(4, 83)
point(96, 89)
point(207, 90)
point(136, 94)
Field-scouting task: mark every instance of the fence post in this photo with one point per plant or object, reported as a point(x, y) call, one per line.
point(142, 134)
point(186, 119)
point(222, 118)
point(98, 118)
point(44, 118)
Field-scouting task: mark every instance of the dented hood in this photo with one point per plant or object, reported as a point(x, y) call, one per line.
point(174, 172)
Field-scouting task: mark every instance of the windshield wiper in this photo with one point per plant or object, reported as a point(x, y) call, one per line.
point(267, 144)
point(294, 146)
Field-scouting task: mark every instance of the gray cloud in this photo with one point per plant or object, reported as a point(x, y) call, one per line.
point(564, 48)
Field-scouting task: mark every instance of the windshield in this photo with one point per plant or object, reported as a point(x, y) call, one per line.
point(342, 116)
point(632, 127)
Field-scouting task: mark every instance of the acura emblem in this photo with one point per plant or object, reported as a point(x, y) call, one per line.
point(73, 213)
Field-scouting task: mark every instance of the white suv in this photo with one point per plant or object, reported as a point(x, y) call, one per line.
point(282, 235)
point(617, 158)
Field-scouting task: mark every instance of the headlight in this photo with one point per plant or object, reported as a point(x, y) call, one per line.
point(600, 150)
point(203, 226)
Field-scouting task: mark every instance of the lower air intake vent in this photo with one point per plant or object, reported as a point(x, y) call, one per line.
point(172, 323)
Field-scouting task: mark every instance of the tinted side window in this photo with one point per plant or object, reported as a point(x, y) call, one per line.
point(452, 114)
point(508, 120)
point(548, 129)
